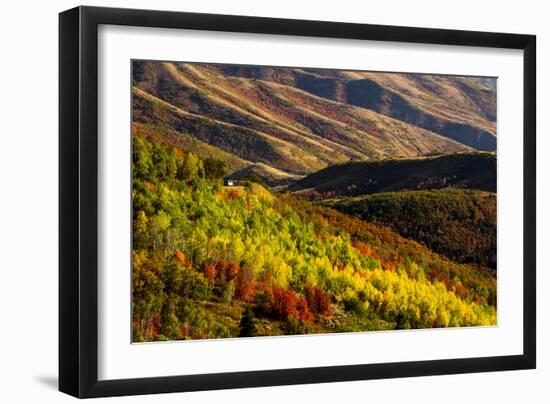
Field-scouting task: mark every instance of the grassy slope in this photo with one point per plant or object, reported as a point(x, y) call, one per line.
point(461, 224)
point(463, 109)
point(469, 170)
point(271, 176)
point(247, 144)
point(302, 126)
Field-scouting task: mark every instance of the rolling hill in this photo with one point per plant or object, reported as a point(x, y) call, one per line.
point(402, 171)
point(266, 174)
point(458, 223)
point(210, 261)
point(299, 121)
point(467, 170)
point(460, 108)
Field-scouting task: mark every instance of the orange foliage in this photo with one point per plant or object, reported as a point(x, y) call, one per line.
point(210, 273)
point(451, 285)
point(364, 249)
point(233, 194)
point(180, 257)
point(149, 186)
point(388, 261)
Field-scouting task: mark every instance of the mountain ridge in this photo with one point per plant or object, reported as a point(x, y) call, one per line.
point(395, 94)
point(465, 170)
point(276, 119)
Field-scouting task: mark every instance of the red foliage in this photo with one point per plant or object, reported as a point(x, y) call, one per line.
point(363, 248)
point(286, 303)
point(233, 194)
point(246, 285)
point(227, 270)
point(388, 261)
point(450, 284)
point(318, 300)
point(232, 270)
point(303, 310)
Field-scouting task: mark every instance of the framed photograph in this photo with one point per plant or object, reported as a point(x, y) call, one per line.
point(251, 202)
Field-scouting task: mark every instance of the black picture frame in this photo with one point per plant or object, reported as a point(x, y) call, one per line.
point(78, 201)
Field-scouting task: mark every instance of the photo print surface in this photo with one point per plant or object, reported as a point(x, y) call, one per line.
point(274, 201)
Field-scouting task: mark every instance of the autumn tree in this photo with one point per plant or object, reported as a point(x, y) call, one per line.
point(318, 300)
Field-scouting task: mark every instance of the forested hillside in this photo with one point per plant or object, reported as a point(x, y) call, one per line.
point(211, 261)
point(458, 223)
point(465, 170)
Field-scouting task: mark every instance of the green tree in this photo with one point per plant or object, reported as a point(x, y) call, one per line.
point(192, 167)
point(214, 168)
point(170, 322)
point(228, 292)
